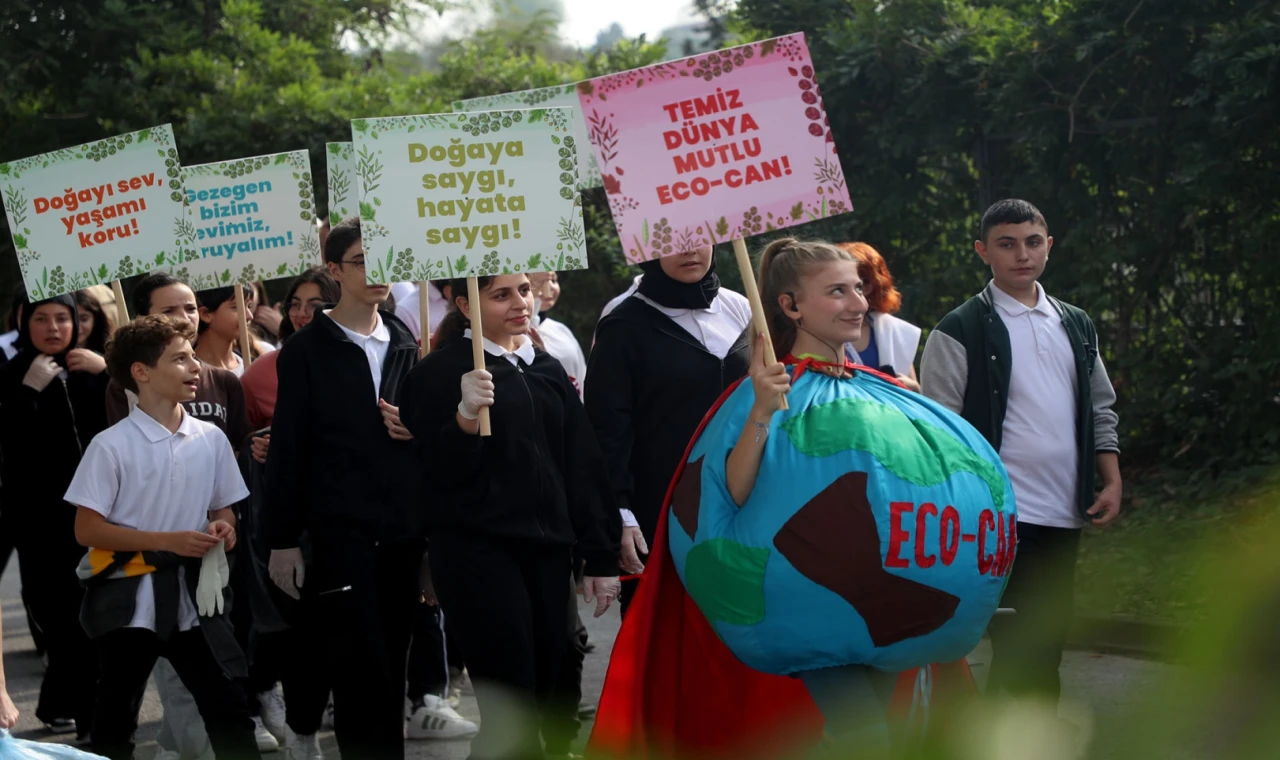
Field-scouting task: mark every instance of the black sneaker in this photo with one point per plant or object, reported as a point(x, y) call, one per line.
point(61, 726)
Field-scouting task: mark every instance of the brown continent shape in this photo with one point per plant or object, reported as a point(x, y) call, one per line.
point(833, 541)
point(686, 499)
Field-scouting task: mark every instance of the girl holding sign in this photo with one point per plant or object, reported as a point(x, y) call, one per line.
point(809, 541)
point(507, 509)
point(50, 408)
point(661, 359)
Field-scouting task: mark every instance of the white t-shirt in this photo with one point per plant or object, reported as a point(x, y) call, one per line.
point(407, 309)
point(563, 345)
point(402, 290)
point(138, 475)
point(374, 345)
point(717, 328)
point(1038, 444)
point(613, 304)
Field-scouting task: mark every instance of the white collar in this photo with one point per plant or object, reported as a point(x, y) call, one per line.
point(524, 351)
point(154, 431)
point(380, 332)
point(1015, 308)
point(714, 308)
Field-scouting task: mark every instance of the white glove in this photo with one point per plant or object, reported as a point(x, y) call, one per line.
point(287, 570)
point(214, 575)
point(41, 373)
point(604, 590)
point(477, 393)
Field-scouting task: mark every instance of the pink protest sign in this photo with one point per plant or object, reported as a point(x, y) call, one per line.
point(713, 147)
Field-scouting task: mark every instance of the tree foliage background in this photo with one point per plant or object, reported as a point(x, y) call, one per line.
point(1146, 131)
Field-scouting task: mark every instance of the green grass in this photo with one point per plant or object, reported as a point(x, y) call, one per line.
point(1174, 531)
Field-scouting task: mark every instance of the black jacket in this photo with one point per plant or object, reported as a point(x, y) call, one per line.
point(649, 384)
point(43, 435)
point(332, 464)
point(539, 477)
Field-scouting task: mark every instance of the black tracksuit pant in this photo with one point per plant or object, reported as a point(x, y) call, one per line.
point(126, 657)
point(299, 656)
point(562, 723)
point(1027, 646)
point(362, 595)
point(507, 601)
point(53, 594)
point(433, 653)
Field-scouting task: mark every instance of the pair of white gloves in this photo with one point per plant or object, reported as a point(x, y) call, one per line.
point(215, 574)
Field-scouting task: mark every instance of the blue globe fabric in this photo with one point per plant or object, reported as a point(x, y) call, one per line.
point(880, 531)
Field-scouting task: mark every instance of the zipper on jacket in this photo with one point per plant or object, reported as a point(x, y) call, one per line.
point(533, 417)
point(71, 408)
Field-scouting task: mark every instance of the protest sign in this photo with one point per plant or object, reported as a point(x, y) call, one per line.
point(340, 161)
point(714, 147)
point(565, 95)
point(468, 195)
point(252, 219)
point(97, 212)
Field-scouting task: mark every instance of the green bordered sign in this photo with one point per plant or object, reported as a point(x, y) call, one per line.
point(563, 95)
point(97, 212)
point(468, 195)
point(251, 219)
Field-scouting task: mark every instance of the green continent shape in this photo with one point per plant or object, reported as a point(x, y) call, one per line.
point(915, 450)
point(726, 579)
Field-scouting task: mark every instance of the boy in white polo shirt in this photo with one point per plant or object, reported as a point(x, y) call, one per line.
point(154, 493)
point(1024, 369)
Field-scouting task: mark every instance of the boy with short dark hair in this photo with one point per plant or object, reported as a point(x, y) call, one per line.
point(154, 493)
point(341, 468)
point(1025, 370)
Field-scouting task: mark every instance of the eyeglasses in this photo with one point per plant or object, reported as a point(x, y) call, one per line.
point(357, 263)
point(298, 307)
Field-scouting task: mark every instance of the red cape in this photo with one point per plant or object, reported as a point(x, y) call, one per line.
point(673, 689)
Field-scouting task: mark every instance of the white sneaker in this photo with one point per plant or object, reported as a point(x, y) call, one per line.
point(266, 742)
point(271, 709)
point(305, 747)
point(435, 719)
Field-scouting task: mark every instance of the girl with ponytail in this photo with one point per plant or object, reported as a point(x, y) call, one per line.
point(788, 530)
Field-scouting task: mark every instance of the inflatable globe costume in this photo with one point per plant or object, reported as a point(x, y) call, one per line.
point(879, 532)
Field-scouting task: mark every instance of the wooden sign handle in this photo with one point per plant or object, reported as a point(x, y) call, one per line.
point(477, 345)
point(122, 309)
point(424, 319)
point(758, 322)
point(246, 348)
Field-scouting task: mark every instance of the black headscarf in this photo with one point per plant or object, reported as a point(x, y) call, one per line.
point(27, 351)
point(659, 287)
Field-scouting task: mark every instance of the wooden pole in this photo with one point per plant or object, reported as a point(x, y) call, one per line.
point(424, 318)
point(246, 347)
point(122, 309)
point(477, 344)
point(759, 323)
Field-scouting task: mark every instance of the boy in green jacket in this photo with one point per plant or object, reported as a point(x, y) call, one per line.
point(1024, 369)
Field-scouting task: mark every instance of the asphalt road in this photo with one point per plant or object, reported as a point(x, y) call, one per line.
point(1100, 691)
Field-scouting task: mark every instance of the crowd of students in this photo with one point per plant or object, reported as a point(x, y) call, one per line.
point(378, 545)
